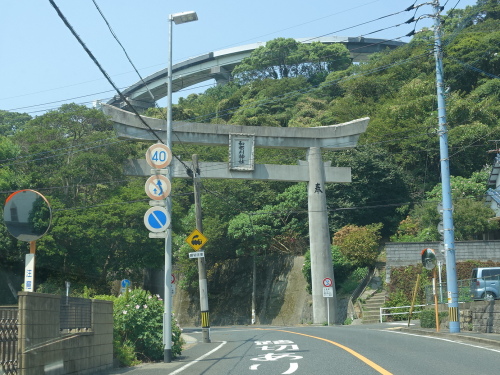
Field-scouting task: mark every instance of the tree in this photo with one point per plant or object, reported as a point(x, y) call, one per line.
point(287, 58)
point(94, 246)
point(263, 103)
point(360, 245)
point(12, 122)
point(71, 149)
point(379, 186)
point(471, 217)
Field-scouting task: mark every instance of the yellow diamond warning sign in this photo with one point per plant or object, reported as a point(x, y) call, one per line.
point(196, 240)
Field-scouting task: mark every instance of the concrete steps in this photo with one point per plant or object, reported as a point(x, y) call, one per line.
point(374, 298)
point(371, 308)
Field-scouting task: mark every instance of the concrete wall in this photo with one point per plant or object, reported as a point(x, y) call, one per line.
point(407, 253)
point(45, 349)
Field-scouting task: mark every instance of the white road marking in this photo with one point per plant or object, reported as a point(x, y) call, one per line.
point(293, 367)
point(198, 359)
point(448, 340)
point(254, 367)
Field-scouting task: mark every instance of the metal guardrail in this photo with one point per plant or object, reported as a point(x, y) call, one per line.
point(382, 314)
point(75, 313)
point(8, 340)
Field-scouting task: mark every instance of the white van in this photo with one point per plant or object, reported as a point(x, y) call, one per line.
point(485, 283)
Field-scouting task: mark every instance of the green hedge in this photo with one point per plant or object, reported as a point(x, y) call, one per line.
point(428, 318)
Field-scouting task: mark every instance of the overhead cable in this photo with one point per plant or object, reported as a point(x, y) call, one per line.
point(68, 25)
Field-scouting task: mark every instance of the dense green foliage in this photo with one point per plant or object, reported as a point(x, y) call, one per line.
point(360, 245)
point(73, 157)
point(138, 328)
point(287, 58)
point(428, 318)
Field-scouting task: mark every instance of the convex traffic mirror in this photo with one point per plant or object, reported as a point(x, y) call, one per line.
point(429, 258)
point(27, 215)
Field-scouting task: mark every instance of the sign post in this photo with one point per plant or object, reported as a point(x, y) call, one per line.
point(429, 262)
point(157, 220)
point(328, 293)
point(197, 240)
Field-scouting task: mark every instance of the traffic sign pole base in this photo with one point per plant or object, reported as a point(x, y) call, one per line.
point(167, 355)
point(206, 335)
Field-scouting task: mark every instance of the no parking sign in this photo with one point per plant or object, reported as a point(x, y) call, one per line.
point(157, 219)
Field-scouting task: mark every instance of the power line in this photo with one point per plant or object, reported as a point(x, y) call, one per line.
point(123, 48)
point(68, 25)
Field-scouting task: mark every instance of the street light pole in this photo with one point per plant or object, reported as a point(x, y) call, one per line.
point(177, 18)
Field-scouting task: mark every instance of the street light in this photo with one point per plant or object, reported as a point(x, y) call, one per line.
point(177, 18)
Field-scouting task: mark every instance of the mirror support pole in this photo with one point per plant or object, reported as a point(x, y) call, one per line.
point(32, 247)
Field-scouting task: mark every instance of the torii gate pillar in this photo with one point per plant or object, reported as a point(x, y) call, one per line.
point(319, 240)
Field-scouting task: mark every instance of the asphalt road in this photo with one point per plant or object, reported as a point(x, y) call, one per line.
point(360, 350)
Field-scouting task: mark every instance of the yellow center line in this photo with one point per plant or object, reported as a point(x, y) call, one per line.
point(362, 358)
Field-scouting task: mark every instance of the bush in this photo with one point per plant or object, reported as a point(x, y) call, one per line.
point(342, 268)
point(428, 318)
point(360, 245)
point(138, 328)
point(398, 299)
point(350, 284)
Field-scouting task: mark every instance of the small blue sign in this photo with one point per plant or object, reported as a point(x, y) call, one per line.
point(125, 283)
point(157, 219)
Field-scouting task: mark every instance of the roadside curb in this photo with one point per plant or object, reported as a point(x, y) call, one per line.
point(190, 341)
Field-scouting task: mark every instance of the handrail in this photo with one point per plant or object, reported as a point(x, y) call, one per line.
point(397, 313)
point(359, 290)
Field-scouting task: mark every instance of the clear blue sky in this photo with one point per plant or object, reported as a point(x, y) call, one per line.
point(43, 66)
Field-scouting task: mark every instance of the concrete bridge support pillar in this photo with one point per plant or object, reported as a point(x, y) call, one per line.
point(319, 237)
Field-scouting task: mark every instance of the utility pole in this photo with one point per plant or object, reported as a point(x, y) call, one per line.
point(449, 231)
point(202, 273)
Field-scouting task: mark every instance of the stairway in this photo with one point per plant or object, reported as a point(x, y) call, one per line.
point(371, 308)
point(374, 296)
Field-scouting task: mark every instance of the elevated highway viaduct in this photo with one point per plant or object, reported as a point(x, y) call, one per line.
point(218, 65)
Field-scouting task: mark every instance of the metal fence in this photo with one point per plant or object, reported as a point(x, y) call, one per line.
point(76, 313)
point(8, 340)
point(398, 312)
point(464, 291)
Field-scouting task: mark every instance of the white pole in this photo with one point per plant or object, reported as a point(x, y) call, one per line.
point(328, 311)
point(167, 303)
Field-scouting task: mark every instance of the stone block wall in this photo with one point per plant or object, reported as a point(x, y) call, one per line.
point(486, 316)
point(45, 349)
point(408, 253)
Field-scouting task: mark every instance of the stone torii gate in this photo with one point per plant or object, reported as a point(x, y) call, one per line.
point(241, 141)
